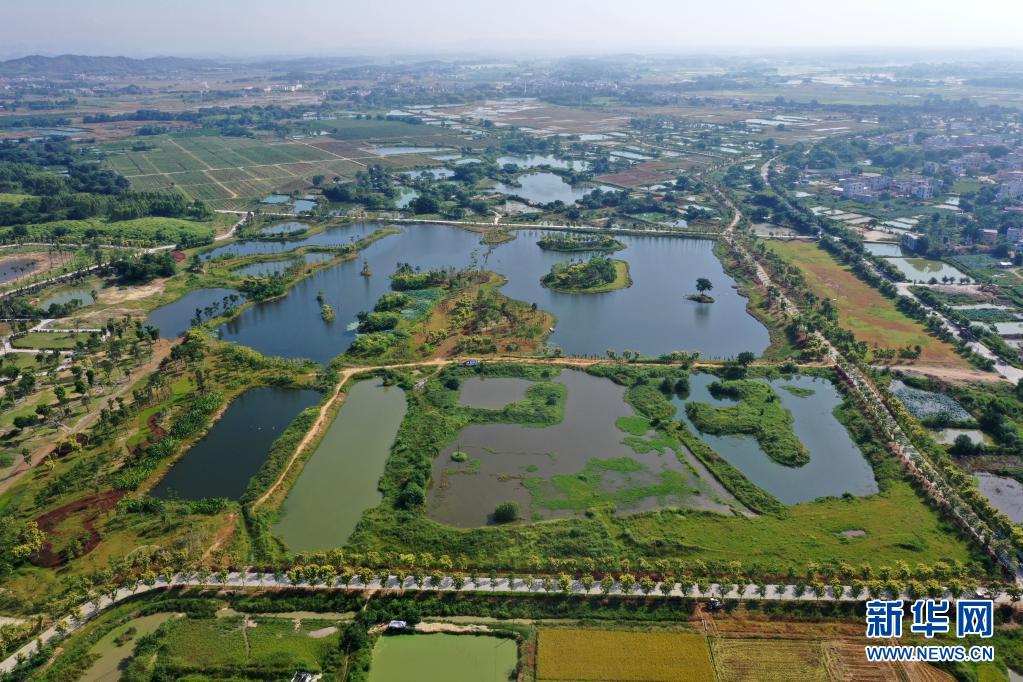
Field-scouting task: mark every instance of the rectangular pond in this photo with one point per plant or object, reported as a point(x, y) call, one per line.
point(339, 481)
point(564, 469)
point(836, 465)
point(223, 461)
point(924, 269)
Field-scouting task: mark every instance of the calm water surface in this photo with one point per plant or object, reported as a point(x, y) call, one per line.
point(1005, 494)
point(339, 482)
point(174, 318)
point(652, 316)
point(221, 464)
point(836, 465)
point(502, 456)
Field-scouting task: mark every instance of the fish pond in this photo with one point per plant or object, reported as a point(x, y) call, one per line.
point(652, 316)
point(339, 482)
point(1004, 493)
point(223, 461)
point(883, 249)
point(564, 469)
point(443, 658)
point(924, 269)
point(836, 465)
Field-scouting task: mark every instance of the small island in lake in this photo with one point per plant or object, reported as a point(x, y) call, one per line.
point(596, 275)
point(703, 285)
point(588, 242)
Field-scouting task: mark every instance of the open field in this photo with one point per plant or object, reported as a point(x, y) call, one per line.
point(49, 340)
point(756, 660)
point(571, 655)
point(861, 308)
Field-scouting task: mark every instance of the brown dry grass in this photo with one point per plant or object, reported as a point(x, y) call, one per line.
point(862, 309)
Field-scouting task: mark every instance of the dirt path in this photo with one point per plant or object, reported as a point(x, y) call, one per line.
point(348, 372)
point(161, 349)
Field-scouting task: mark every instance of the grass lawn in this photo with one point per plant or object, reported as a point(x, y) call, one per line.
point(862, 309)
point(268, 645)
point(571, 654)
point(49, 341)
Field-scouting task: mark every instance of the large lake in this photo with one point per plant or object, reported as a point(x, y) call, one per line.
point(652, 316)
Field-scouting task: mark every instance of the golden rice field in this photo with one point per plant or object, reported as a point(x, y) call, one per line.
point(570, 655)
point(769, 660)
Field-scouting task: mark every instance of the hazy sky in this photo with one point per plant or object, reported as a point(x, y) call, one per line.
point(345, 27)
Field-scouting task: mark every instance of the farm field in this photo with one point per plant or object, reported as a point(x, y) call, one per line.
point(443, 658)
point(570, 655)
point(756, 660)
point(219, 169)
point(861, 308)
point(231, 172)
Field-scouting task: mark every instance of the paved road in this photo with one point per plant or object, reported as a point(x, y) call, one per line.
point(90, 609)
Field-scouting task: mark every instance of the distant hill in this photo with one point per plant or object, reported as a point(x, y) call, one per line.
point(72, 64)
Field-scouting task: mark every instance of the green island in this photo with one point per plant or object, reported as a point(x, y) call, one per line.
point(595, 275)
point(758, 413)
point(556, 241)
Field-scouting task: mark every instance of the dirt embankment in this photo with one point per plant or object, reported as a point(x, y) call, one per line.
point(94, 506)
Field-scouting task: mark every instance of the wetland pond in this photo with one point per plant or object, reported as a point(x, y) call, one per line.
point(562, 470)
point(272, 267)
point(339, 482)
point(544, 188)
point(223, 461)
point(652, 316)
point(112, 656)
point(836, 465)
point(340, 235)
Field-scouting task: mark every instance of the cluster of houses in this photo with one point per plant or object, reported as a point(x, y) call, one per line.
point(868, 187)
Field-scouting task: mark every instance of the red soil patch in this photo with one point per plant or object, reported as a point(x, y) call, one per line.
point(48, 557)
point(178, 256)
